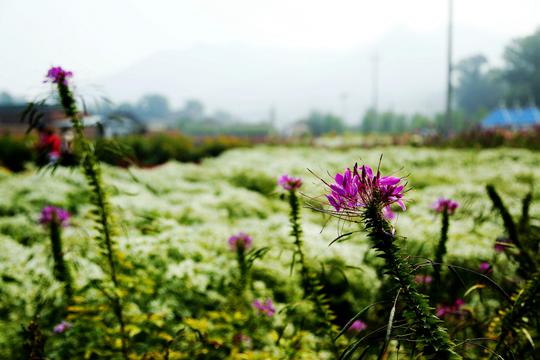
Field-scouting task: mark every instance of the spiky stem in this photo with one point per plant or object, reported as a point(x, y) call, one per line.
point(60, 270)
point(425, 325)
point(242, 268)
point(34, 342)
point(510, 227)
point(440, 252)
point(525, 301)
point(310, 285)
point(92, 172)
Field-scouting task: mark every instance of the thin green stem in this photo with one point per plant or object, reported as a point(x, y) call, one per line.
point(92, 171)
point(60, 270)
point(425, 325)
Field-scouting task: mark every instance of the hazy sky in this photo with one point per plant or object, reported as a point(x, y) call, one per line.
point(100, 38)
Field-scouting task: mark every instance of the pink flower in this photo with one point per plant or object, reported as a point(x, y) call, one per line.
point(423, 279)
point(289, 183)
point(54, 214)
point(486, 268)
point(441, 204)
point(359, 188)
point(62, 327)
point(357, 326)
point(266, 308)
point(455, 308)
point(58, 75)
point(240, 240)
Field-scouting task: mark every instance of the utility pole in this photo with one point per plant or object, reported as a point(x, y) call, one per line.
point(449, 122)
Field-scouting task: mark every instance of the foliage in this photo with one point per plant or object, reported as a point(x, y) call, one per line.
point(176, 265)
point(15, 152)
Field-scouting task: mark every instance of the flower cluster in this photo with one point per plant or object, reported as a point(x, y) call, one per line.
point(58, 75)
point(455, 308)
point(360, 187)
point(266, 308)
point(357, 326)
point(289, 183)
point(240, 240)
point(62, 327)
point(445, 204)
point(54, 214)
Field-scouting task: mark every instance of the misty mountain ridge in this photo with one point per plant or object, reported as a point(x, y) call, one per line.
point(248, 81)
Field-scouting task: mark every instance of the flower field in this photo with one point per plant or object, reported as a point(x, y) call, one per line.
point(179, 275)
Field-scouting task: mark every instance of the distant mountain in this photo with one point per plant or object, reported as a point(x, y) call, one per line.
point(248, 81)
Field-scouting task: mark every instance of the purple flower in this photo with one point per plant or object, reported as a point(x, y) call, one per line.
point(289, 183)
point(423, 279)
point(502, 244)
point(486, 268)
point(455, 308)
point(441, 204)
point(266, 308)
point(50, 214)
point(240, 240)
point(62, 327)
point(357, 326)
point(58, 75)
point(359, 188)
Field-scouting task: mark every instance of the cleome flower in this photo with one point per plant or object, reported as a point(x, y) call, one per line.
point(266, 308)
point(289, 183)
point(62, 327)
point(441, 204)
point(360, 187)
point(357, 326)
point(58, 75)
point(454, 309)
point(485, 268)
point(240, 240)
point(54, 214)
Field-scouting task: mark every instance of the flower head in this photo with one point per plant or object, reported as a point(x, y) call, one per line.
point(289, 183)
point(266, 308)
point(62, 327)
point(50, 214)
point(58, 75)
point(359, 188)
point(485, 267)
point(455, 308)
point(240, 240)
point(443, 204)
point(357, 326)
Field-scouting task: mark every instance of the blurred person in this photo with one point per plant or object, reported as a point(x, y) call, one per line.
point(49, 145)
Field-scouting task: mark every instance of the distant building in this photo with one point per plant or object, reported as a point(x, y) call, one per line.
point(12, 122)
point(114, 124)
point(516, 118)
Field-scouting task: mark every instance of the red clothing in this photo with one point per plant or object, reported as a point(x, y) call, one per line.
point(51, 143)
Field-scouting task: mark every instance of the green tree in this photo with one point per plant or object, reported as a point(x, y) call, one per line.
point(477, 87)
point(323, 123)
point(153, 106)
point(522, 69)
point(369, 122)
